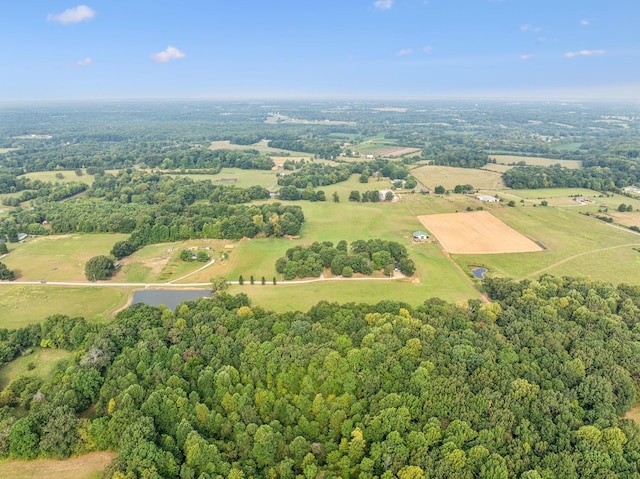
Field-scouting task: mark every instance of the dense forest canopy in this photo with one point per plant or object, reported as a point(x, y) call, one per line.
point(531, 385)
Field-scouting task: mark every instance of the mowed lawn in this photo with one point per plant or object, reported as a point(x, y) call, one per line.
point(88, 466)
point(43, 360)
point(57, 258)
point(576, 245)
point(21, 305)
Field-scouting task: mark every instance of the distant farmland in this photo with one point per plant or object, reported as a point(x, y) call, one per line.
point(535, 161)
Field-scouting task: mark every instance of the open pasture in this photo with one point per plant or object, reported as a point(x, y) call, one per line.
point(43, 360)
point(262, 146)
point(237, 177)
point(88, 466)
point(67, 176)
point(392, 151)
point(477, 232)
point(576, 245)
point(435, 277)
point(449, 177)
point(535, 161)
point(329, 221)
point(57, 258)
point(21, 305)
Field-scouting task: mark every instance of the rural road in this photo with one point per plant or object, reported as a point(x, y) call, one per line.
point(396, 276)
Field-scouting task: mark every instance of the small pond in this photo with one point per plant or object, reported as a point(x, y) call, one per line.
point(479, 272)
point(169, 297)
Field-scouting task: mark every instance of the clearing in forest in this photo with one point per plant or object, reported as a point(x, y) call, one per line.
point(477, 232)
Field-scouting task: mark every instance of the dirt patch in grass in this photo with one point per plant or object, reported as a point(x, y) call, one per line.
point(82, 467)
point(393, 151)
point(477, 232)
point(633, 414)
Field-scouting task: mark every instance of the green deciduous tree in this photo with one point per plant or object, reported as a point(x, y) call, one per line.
point(99, 267)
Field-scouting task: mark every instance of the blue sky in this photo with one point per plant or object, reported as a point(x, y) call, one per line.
point(103, 49)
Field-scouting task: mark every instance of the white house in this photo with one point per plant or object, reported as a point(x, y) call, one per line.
point(488, 198)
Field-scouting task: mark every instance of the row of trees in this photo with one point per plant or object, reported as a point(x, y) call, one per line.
point(532, 385)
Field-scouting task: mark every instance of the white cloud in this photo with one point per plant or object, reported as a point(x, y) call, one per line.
point(171, 53)
point(526, 56)
point(584, 53)
point(78, 14)
point(383, 4)
point(427, 49)
point(85, 62)
point(529, 28)
point(584, 23)
point(406, 51)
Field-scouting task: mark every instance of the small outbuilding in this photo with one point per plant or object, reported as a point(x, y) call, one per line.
point(420, 236)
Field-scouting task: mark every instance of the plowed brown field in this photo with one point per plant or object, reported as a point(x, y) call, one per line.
point(476, 232)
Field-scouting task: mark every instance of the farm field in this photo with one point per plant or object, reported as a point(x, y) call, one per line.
point(25, 304)
point(88, 466)
point(575, 245)
point(535, 161)
point(57, 258)
point(43, 359)
point(477, 232)
point(449, 177)
point(261, 146)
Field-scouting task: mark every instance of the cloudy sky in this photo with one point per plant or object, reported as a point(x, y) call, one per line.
point(103, 49)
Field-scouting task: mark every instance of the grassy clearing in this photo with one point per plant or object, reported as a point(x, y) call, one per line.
point(58, 258)
point(243, 178)
point(261, 146)
point(21, 305)
point(7, 150)
point(44, 361)
point(449, 177)
point(547, 193)
point(68, 176)
point(572, 146)
point(633, 414)
point(435, 275)
point(576, 245)
point(88, 466)
point(535, 161)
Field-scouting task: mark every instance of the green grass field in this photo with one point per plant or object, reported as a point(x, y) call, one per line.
point(328, 221)
point(577, 245)
point(535, 161)
point(44, 361)
point(449, 177)
point(68, 176)
point(23, 304)
point(244, 178)
point(261, 146)
point(57, 258)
